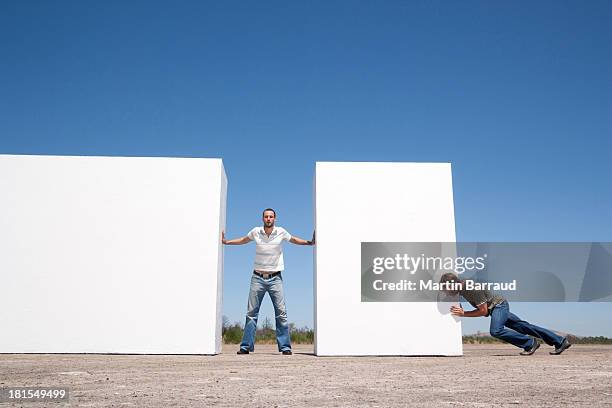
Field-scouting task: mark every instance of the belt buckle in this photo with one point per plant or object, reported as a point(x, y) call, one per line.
point(265, 275)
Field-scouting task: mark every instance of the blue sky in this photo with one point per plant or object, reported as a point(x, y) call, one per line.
point(516, 95)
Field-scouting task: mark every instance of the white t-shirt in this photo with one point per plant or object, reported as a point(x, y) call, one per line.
point(268, 250)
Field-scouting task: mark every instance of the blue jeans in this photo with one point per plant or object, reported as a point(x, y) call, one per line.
point(509, 327)
point(259, 287)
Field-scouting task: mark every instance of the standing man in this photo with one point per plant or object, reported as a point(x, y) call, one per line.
point(267, 277)
point(505, 326)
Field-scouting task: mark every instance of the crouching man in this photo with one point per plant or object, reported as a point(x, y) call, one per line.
point(505, 326)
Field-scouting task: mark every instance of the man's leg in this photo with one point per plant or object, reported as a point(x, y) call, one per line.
point(499, 318)
point(256, 294)
point(277, 295)
point(516, 323)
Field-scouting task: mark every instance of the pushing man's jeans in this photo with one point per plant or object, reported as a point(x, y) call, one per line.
point(509, 327)
point(259, 287)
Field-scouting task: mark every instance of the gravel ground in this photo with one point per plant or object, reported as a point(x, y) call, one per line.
point(487, 375)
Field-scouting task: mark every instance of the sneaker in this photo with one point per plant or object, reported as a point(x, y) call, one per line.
point(565, 344)
point(242, 351)
point(532, 349)
point(287, 352)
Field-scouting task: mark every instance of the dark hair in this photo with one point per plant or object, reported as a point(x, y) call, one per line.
point(449, 277)
point(269, 209)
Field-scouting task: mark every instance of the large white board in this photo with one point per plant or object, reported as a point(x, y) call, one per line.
point(378, 202)
point(111, 254)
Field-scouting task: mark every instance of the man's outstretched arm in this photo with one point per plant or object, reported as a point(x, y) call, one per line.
point(481, 311)
point(300, 241)
point(237, 241)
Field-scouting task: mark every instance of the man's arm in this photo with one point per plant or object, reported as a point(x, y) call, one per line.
point(300, 241)
point(237, 241)
point(481, 311)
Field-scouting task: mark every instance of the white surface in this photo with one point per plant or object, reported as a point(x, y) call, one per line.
point(111, 254)
point(378, 202)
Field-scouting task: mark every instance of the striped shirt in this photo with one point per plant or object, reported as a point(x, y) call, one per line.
point(268, 249)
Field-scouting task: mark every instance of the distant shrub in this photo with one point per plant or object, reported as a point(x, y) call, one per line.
point(589, 340)
point(302, 336)
point(232, 334)
point(472, 339)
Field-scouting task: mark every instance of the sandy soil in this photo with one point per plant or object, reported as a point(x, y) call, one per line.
point(487, 375)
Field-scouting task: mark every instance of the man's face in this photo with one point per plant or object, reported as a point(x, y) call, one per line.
point(268, 218)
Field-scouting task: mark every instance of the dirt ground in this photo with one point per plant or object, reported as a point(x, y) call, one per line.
point(487, 375)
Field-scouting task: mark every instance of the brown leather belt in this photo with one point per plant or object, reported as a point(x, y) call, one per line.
point(267, 275)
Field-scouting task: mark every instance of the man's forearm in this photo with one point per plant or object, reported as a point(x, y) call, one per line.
point(237, 241)
point(481, 311)
point(474, 313)
point(300, 241)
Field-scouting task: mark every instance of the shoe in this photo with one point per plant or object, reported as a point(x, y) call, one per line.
point(565, 344)
point(242, 351)
point(532, 349)
point(287, 352)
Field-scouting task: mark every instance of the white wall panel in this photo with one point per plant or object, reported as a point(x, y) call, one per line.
point(111, 254)
point(378, 202)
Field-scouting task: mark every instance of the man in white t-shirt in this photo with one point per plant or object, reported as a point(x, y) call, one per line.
point(267, 277)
